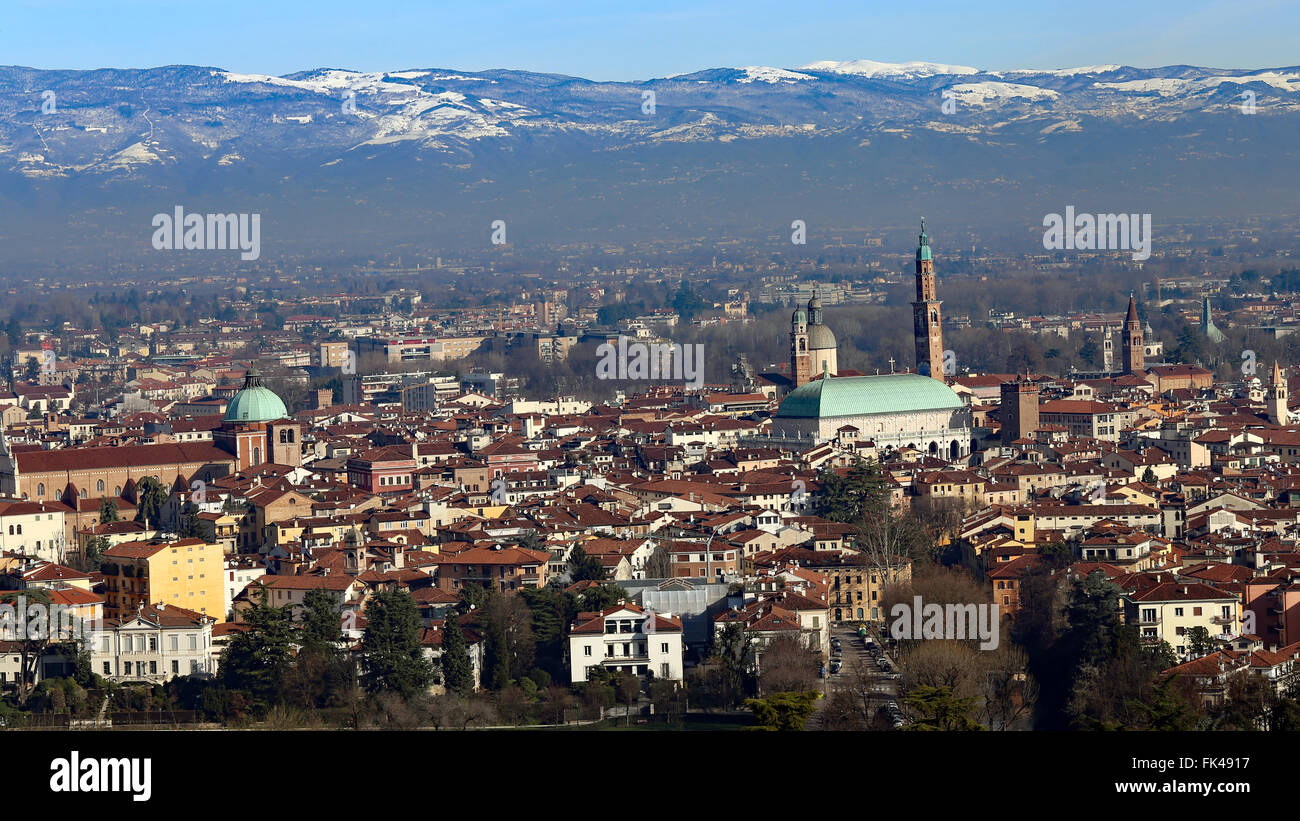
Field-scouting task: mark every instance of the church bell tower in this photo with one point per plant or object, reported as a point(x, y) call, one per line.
point(927, 327)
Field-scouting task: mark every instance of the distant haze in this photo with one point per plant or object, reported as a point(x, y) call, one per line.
point(346, 166)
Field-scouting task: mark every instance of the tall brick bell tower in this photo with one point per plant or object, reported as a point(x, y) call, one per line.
point(925, 313)
point(1135, 355)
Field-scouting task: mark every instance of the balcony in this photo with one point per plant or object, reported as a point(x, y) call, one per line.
point(1223, 620)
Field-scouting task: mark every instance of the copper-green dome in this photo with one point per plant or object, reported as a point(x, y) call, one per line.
point(255, 402)
point(865, 395)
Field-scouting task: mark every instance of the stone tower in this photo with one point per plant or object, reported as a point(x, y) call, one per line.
point(926, 325)
point(1019, 410)
point(1133, 349)
point(1277, 413)
point(800, 359)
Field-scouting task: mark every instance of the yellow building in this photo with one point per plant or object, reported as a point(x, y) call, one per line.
point(185, 573)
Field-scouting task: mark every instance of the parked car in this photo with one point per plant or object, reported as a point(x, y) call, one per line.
point(836, 666)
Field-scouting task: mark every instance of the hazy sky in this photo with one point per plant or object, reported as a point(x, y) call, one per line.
point(627, 40)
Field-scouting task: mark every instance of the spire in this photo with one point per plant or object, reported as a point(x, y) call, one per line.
point(1132, 310)
point(922, 244)
point(1277, 373)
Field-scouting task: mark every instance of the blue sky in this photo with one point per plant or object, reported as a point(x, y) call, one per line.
point(628, 40)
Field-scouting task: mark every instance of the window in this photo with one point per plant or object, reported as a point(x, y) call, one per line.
point(108, 668)
point(176, 667)
point(586, 651)
point(663, 647)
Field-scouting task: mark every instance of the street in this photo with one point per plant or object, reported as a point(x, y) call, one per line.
point(859, 673)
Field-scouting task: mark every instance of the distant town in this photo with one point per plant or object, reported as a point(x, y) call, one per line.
point(418, 498)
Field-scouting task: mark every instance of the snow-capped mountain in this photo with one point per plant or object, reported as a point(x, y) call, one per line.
point(67, 123)
point(435, 145)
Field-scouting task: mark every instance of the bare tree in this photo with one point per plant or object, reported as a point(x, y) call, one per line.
point(1007, 689)
point(787, 666)
point(889, 541)
point(938, 663)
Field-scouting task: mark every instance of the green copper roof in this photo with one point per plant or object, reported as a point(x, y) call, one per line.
point(923, 244)
point(255, 403)
point(862, 395)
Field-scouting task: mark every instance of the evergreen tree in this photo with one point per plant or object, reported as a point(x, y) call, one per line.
point(783, 711)
point(152, 496)
point(850, 498)
point(601, 597)
point(190, 526)
point(255, 660)
point(1199, 642)
point(108, 511)
point(584, 567)
point(392, 656)
point(1166, 709)
point(938, 709)
point(321, 623)
point(95, 553)
point(457, 671)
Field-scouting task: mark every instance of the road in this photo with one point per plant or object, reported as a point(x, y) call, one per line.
point(859, 673)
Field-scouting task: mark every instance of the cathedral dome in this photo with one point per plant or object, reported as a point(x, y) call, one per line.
point(820, 338)
point(255, 402)
point(865, 395)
